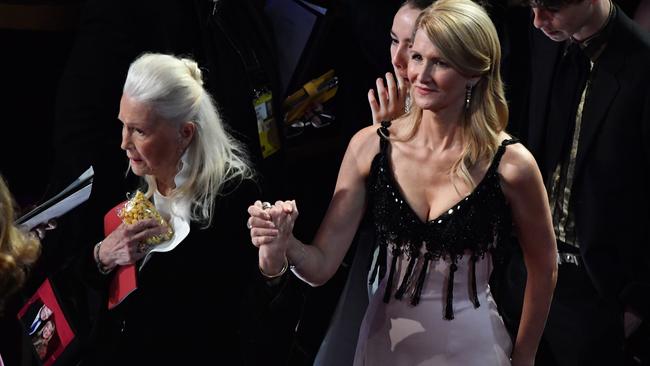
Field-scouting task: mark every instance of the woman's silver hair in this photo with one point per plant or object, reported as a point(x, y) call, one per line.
point(173, 88)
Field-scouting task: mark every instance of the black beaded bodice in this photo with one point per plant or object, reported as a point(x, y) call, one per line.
point(474, 225)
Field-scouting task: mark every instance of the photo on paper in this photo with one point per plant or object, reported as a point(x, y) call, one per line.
point(45, 324)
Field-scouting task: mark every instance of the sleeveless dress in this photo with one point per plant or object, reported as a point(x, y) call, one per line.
point(429, 298)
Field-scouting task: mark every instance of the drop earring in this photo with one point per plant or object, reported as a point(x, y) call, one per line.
point(468, 96)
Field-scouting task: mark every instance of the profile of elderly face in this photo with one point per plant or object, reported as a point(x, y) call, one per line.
point(153, 144)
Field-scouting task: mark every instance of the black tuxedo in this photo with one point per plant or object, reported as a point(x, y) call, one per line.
point(610, 197)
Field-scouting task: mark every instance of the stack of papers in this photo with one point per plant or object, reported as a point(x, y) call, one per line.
point(71, 197)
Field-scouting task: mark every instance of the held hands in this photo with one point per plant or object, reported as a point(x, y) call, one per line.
point(390, 100)
point(271, 229)
point(125, 245)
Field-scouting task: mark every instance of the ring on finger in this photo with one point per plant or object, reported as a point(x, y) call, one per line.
point(248, 225)
point(142, 247)
point(266, 205)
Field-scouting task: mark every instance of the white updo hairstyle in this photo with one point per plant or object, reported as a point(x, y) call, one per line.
point(173, 87)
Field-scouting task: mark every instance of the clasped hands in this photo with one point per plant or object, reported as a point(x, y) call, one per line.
point(271, 228)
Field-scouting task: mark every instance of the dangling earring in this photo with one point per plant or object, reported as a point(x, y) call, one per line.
point(408, 103)
point(468, 96)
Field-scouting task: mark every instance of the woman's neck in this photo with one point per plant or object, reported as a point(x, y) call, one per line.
point(439, 131)
point(165, 188)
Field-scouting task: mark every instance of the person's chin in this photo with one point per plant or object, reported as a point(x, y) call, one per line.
point(138, 170)
point(556, 36)
point(427, 101)
point(428, 106)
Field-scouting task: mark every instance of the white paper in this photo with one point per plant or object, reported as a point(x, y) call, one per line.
point(60, 208)
point(71, 197)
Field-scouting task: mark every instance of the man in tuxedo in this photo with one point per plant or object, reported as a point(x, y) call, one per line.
point(589, 129)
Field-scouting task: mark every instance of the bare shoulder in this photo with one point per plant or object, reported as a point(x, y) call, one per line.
point(364, 136)
point(518, 166)
point(363, 147)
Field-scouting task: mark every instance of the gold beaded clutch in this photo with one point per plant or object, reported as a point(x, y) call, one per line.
point(139, 208)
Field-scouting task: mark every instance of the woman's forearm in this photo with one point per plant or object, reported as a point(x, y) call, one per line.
point(540, 284)
point(308, 262)
point(271, 262)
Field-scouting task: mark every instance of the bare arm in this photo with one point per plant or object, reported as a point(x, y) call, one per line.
point(524, 189)
point(315, 264)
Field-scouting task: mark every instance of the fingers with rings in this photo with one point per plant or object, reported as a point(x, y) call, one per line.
point(256, 210)
point(142, 247)
point(260, 223)
point(257, 221)
point(145, 229)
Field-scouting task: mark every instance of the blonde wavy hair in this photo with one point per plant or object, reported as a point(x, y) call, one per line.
point(18, 250)
point(173, 87)
point(467, 39)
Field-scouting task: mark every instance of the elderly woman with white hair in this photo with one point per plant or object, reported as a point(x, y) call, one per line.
point(155, 307)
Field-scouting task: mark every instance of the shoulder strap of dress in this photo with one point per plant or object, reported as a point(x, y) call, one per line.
point(502, 149)
point(511, 141)
point(383, 133)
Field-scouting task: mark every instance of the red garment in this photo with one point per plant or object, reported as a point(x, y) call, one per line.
point(125, 280)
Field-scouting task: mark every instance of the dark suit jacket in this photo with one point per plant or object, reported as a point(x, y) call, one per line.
point(610, 202)
point(611, 189)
